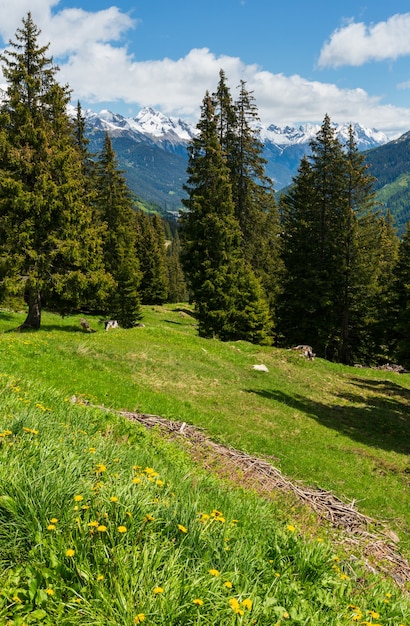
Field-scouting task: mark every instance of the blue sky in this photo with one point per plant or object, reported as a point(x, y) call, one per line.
point(301, 59)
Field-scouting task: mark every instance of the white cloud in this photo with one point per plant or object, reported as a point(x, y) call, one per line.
point(356, 43)
point(89, 48)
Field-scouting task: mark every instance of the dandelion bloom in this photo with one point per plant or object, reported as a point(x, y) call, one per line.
point(247, 603)
point(50, 592)
point(158, 590)
point(374, 614)
point(198, 601)
point(214, 572)
point(93, 524)
point(160, 482)
point(286, 615)
point(138, 619)
point(102, 528)
point(234, 604)
point(70, 552)
point(78, 498)
point(136, 480)
point(228, 584)
point(182, 528)
point(291, 528)
point(100, 577)
point(54, 520)
point(149, 518)
point(100, 468)
point(51, 527)
point(122, 529)
point(113, 499)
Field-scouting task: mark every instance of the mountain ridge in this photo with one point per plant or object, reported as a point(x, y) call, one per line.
point(152, 150)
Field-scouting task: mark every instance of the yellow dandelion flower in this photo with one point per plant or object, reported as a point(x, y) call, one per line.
point(92, 450)
point(100, 577)
point(158, 590)
point(291, 528)
point(78, 498)
point(277, 574)
point(128, 513)
point(374, 614)
point(160, 483)
point(53, 520)
point(214, 572)
point(198, 601)
point(113, 499)
point(101, 528)
point(138, 619)
point(182, 528)
point(228, 584)
point(85, 507)
point(234, 604)
point(286, 615)
point(93, 524)
point(344, 577)
point(70, 552)
point(50, 592)
point(149, 518)
point(136, 467)
point(247, 603)
point(100, 468)
point(51, 527)
point(136, 480)
point(122, 529)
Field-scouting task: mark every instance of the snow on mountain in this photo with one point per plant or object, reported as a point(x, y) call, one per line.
point(173, 130)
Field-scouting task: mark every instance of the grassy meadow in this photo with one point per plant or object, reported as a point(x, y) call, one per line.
point(105, 523)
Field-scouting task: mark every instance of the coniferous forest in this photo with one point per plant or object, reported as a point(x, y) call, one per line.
point(321, 267)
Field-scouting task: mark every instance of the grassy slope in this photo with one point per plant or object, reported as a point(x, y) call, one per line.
point(340, 428)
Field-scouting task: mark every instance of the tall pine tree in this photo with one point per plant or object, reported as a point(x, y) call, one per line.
point(228, 297)
point(330, 247)
point(50, 248)
point(120, 257)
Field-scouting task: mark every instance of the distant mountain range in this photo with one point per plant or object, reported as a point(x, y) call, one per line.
point(152, 150)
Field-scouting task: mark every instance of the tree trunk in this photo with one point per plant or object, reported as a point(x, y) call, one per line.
point(33, 319)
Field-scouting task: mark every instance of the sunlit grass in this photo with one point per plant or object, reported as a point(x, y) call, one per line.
point(105, 523)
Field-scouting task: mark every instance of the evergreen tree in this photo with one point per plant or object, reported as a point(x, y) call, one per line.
point(116, 213)
point(151, 252)
point(252, 191)
point(384, 333)
point(330, 249)
point(228, 297)
point(177, 289)
point(50, 248)
point(401, 300)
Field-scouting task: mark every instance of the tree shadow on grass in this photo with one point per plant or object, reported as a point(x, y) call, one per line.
point(381, 421)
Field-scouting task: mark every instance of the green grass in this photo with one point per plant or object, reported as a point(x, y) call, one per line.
point(340, 428)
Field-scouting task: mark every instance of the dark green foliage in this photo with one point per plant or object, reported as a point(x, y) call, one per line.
point(50, 248)
point(331, 246)
point(151, 252)
point(401, 300)
point(114, 210)
point(252, 191)
point(177, 289)
point(228, 297)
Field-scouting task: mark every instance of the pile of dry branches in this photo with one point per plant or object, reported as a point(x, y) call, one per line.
point(377, 545)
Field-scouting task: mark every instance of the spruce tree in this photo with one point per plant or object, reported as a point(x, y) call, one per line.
point(330, 249)
point(252, 190)
point(50, 248)
point(228, 297)
point(401, 300)
point(177, 289)
point(151, 252)
point(115, 211)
